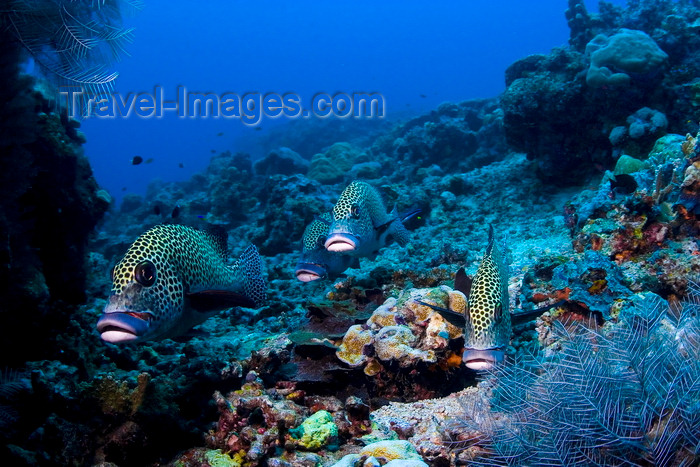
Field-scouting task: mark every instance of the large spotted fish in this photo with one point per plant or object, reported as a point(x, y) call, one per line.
point(316, 262)
point(361, 225)
point(174, 277)
point(487, 320)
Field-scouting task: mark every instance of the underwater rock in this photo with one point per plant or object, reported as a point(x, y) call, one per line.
point(644, 127)
point(251, 419)
point(453, 137)
point(385, 451)
point(282, 161)
point(289, 205)
point(352, 349)
point(425, 424)
point(614, 58)
point(580, 25)
point(50, 205)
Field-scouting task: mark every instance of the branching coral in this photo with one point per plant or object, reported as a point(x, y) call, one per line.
point(626, 395)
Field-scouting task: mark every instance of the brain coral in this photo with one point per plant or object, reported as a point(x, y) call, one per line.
point(334, 164)
point(614, 58)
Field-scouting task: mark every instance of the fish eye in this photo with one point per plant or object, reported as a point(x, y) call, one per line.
point(321, 241)
point(145, 273)
point(355, 211)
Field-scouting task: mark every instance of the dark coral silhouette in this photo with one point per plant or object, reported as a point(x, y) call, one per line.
point(73, 42)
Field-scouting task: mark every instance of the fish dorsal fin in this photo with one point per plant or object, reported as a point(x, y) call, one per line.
point(463, 283)
point(219, 239)
point(207, 301)
point(452, 317)
point(325, 218)
point(489, 246)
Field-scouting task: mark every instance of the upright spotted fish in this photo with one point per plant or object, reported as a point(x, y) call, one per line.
point(174, 277)
point(316, 262)
point(361, 225)
point(487, 320)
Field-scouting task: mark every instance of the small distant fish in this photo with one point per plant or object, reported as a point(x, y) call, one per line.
point(149, 160)
point(220, 133)
point(181, 165)
point(174, 277)
point(258, 128)
point(213, 151)
point(361, 225)
point(423, 96)
point(316, 262)
point(487, 319)
point(123, 188)
point(136, 160)
point(176, 212)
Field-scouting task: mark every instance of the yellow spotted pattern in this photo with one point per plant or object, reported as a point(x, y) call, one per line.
point(184, 259)
point(488, 324)
point(362, 207)
point(316, 232)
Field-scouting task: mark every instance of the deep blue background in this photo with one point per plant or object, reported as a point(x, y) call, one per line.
point(446, 51)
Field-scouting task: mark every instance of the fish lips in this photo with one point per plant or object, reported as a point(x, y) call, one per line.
point(341, 242)
point(483, 359)
point(308, 272)
point(123, 326)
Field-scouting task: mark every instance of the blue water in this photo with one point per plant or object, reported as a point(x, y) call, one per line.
point(416, 54)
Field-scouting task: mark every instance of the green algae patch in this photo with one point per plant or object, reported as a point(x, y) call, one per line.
point(317, 431)
point(216, 458)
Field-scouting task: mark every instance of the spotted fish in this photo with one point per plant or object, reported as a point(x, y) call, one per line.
point(487, 320)
point(361, 225)
point(174, 277)
point(316, 262)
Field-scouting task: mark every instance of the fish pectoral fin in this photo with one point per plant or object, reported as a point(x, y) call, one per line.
point(527, 316)
point(452, 317)
point(207, 301)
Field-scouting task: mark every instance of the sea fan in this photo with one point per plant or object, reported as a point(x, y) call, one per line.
point(629, 395)
point(12, 384)
point(72, 41)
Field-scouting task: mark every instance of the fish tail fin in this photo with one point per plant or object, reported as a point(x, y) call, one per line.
point(254, 283)
point(397, 230)
point(400, 233)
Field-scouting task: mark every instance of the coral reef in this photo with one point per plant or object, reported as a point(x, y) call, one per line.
point(354, 370)
point(541, 90)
